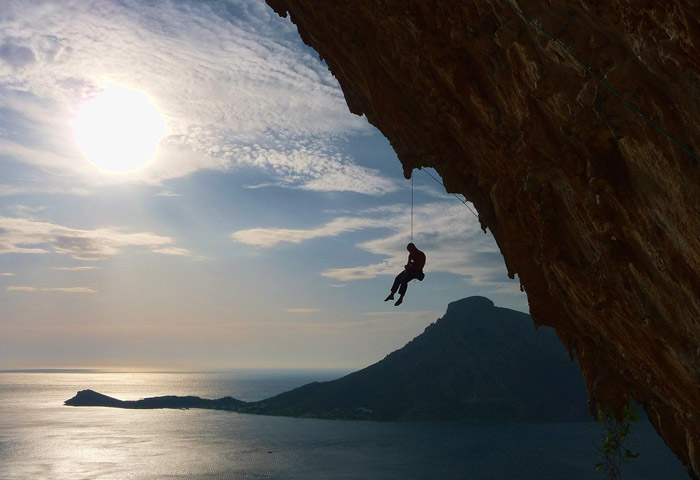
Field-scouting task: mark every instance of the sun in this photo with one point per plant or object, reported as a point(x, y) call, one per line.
point(118, 129)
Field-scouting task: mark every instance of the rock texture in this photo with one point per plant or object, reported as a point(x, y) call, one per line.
point(595, 210)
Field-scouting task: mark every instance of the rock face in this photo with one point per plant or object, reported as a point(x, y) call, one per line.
point(594, 208)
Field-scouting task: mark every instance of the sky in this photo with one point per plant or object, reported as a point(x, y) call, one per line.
point(262, 229)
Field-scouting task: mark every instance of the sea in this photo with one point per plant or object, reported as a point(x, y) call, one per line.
point(40, 438)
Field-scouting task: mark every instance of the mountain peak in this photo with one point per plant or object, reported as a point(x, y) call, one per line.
point(478, 362)
point(475, 303)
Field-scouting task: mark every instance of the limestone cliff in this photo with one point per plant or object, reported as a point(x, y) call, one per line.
point(593, 207)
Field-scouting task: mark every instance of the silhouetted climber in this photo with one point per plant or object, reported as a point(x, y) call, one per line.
point(413, 269)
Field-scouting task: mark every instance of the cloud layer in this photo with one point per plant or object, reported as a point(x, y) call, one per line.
point(30, 236)
point(227, 76)
point(76, 269)
point(52, 289)
point(270, 237)
point(316, 168)
point(449, 234)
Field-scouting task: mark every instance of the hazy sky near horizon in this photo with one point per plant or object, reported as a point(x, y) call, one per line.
point(265, 232)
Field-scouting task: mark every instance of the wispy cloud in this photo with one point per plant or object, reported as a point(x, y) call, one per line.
point(364, 272)
point(29, 236)
point(7, 274)
point(76, 269)
point(171, 251)
point(166, 193)
point(25, 210)
point(302, 310)
point(17, 56)
point(270, 237)
point(69, 289)
point(449, 234)
point(52, 289)
point(36, 188)
point(404, 315)
point(242, 79)
point(318, 170)
point(452, 239)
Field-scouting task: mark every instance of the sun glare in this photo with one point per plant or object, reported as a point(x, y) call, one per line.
point(118, 130)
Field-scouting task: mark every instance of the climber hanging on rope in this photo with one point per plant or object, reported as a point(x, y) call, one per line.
point(413, 269)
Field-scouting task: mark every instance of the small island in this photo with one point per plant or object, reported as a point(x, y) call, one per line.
point(90, 398)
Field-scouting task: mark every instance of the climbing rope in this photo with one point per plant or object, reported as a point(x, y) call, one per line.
point(411, 207)
point(602, 80)
point(464, 202)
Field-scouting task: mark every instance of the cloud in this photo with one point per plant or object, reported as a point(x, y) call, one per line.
point(17, 56)
point(52, 289)
point(303, 310)
point(69, 290)
point(43, 156)
point(166, 193)
point(28, 188)
point(315, 169)
point(404, 315)
point(453, 241)
point(447, 231)
point(21, 289)
point(76, 269)
point(26, 210)
point(349, 274)
point(171, 251)
point(270, 237)
point(7, 274)
point(225, 75)
point(29, 236)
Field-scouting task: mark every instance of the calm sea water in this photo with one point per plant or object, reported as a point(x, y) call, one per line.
point(42, 439)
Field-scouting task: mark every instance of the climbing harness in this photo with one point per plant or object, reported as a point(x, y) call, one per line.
point(634, 109)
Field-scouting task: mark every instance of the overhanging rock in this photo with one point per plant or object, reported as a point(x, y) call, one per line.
point(595, 209)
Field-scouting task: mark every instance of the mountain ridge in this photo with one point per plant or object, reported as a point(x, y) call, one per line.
point(477, 362)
